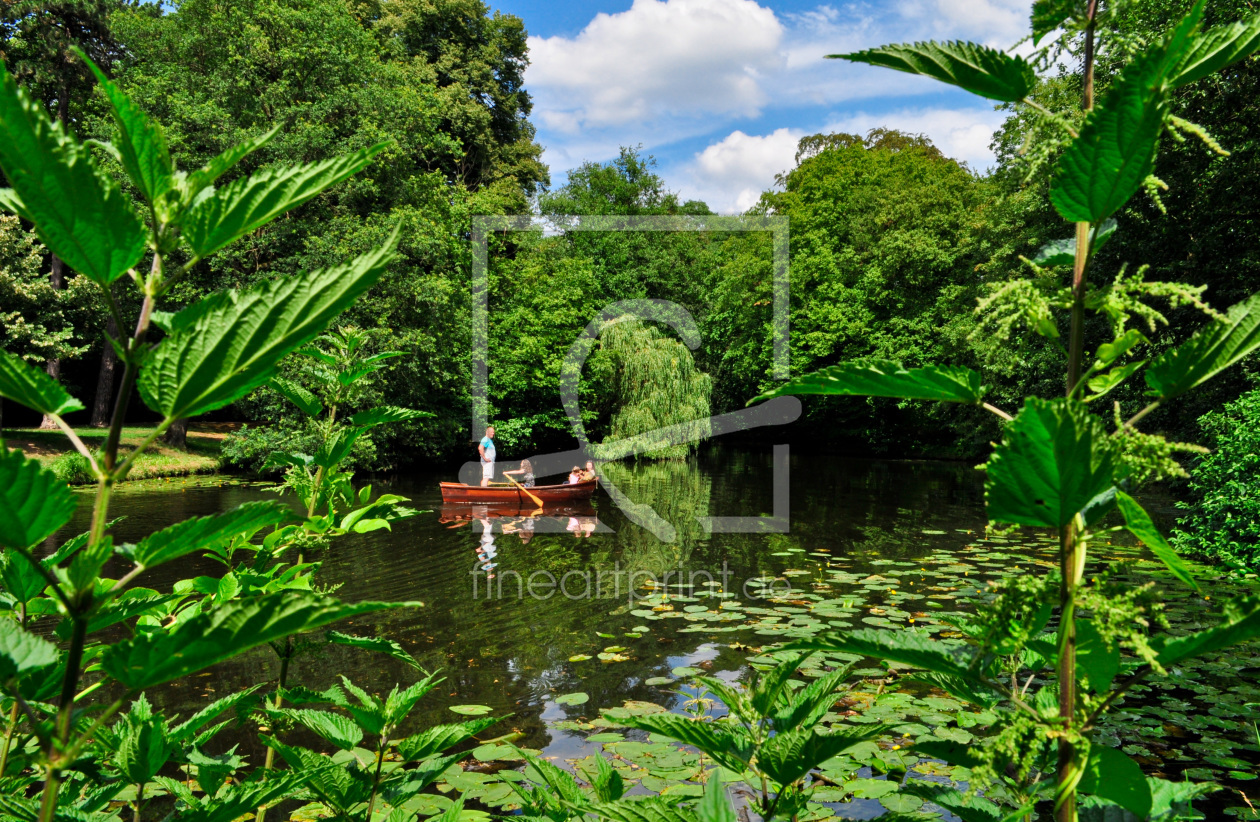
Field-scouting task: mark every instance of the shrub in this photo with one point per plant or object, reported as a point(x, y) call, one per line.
point(73, 468)
point(1223, 522)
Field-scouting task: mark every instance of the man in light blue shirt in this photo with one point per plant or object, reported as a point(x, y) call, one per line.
point(486, 449)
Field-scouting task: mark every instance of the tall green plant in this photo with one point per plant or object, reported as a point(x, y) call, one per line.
point(207, 356)
point(1060, 466)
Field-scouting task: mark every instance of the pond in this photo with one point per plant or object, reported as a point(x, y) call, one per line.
point(590, 603)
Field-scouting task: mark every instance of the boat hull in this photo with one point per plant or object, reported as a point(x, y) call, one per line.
point(512, 495)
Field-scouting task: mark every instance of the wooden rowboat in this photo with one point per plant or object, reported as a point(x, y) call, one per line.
point(511, 495)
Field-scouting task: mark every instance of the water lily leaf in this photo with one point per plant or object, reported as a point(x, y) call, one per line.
point(684, 672)
point(470, 710)
point(578, 698)
point(579, 657)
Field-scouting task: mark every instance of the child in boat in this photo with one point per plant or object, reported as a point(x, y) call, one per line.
point(527, 473)
point(588, 473)
point(575, 476)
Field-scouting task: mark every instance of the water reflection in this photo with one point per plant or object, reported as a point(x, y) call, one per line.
point(513, 651)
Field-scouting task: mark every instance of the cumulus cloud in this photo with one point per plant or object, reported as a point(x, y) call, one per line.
point(731, 174)
point(689, 59)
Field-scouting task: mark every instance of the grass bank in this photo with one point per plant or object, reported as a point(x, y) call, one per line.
point(159, 460)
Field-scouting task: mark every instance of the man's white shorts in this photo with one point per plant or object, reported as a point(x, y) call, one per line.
point(487, 470)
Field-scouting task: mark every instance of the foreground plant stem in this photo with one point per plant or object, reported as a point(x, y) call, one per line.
point(1070, 534)
point(270, 760)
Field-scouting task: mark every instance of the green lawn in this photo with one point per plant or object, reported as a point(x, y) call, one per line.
point(54, 450)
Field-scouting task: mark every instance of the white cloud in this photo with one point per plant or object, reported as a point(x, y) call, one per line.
point(731, 174)
point(688, 59)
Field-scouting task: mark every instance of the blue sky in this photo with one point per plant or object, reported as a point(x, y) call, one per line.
point(719, 91)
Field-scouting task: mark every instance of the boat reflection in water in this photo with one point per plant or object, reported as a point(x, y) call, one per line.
point(524, 521)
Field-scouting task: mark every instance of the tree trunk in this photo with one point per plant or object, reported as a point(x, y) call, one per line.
point(177, 435)
point(57, 278)
point(103, 404)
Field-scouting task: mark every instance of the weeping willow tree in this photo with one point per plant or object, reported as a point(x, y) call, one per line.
point(657, 402)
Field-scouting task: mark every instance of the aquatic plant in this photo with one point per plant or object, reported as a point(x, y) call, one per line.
point(1058, 465)
point(70, 749)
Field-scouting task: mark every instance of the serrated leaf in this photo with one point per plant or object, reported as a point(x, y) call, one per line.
point(789, 756)
point(230, 629)
point(185, 730)
point(229, 343)
point(226, 161)
point(33, 502)
point(1241, 622)
point(723, 744)
point(251, 202)
point(27, 385)
point(979, 69)
point(1104, 383)
point(203, 533)
point(1143, 527)
point(141, 146)
point(1053, 460)
point(1115, 151)
point(79, 213)
point(643, 809)
point(22, 651)
point(884, 378)
point(384, 414)
point(1210, 351)
point(381, 645)
point(949, 751)
point(906, 647)
point(234, 801)
point(333, 728)
point(1048, 15)
point(1212, 50)
point(715, 805)
point(441, 737)
point(1112, 351)
point(299, 396)
point(1063, 252)
point(1113, 776)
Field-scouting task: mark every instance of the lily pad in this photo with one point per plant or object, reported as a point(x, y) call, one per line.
point(579, 657)
point(578, 698)
point(471, 710)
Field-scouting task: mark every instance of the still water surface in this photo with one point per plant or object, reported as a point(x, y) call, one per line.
point(512, 652)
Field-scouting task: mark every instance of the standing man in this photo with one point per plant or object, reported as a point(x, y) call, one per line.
point(486, 449)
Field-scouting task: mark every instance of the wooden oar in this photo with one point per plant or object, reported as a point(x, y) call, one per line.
point(524, 490)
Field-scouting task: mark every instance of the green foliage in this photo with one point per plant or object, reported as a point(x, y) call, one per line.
point(35, 502)
point(770, 734)
point(1222, 519)
point(1057, 466)
point(978, 69)
point(888, 379)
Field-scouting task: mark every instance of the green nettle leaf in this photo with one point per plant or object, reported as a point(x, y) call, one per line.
point(907, 647)
point(1104, 383)
point(1053, 460)
point(334, 728)
point(380, 644)
point(714, 805)
point(33, 502)
point(1141, 526)
point(1099, 662)
point(1210, 351)
point(1112, 351)
point(643, 809)
point(19, 578)
point(1048, 15)
point(721, 742)
point(79, 213)
point(1063, 252)
point(223, 347)
point(968, 808)
point(234, 801)
point(979, 69)
point(202, 533)
point(250, 203)
point(1242, 622)
point(884, 378)
point(1111, 775)
point(225, 162)
point(441, 737)
point(1115, 151)
point(384, 414)
point(1214, 49)
point(299, 396)
point(147, 660)
point(27, 385)
point(22, 651)
point(947, 750)
point(142, 147)
point(787, 757)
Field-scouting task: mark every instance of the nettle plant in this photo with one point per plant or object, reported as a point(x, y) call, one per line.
point(1059, 465)
point(68, 749)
